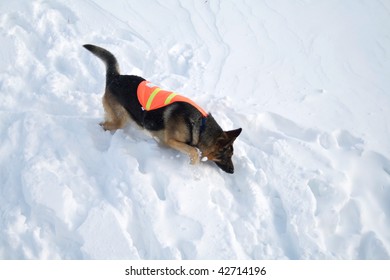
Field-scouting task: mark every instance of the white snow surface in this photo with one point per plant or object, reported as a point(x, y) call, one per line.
point(308, 81)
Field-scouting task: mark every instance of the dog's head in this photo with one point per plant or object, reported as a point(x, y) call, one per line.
point(222, 151)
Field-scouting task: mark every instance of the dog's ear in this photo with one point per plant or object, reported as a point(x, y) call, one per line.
point(228, 137)
point(233, 134)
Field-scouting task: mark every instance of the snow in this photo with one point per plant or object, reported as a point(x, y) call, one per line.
point(306, 80)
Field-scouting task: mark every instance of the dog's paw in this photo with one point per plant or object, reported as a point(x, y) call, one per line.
point(108, 126)
point(102, 125)
point(195, 156)
point(105, 126)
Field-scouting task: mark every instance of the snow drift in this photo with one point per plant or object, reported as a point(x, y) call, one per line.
point(306, 80)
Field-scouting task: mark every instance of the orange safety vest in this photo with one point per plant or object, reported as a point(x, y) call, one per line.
point(152, 97)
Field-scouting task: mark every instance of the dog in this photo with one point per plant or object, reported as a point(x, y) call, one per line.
point(181, 124)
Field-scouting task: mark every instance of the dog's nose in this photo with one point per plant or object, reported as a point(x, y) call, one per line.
point(230, 170)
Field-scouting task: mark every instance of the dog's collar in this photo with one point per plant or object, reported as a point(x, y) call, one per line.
point(202, 125)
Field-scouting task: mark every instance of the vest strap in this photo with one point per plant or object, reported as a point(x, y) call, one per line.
point(151, 97)
point(169, 98)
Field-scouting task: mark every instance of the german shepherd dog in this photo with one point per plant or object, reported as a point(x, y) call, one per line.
point(179, 125)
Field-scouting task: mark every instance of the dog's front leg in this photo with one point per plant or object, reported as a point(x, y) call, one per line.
point(192, 152)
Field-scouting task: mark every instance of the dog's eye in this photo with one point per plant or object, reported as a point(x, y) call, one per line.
point(228, 149)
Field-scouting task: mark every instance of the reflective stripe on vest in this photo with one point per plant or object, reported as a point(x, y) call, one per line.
point(152, 97)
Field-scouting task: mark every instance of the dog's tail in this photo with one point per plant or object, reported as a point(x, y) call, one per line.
point(112, 66)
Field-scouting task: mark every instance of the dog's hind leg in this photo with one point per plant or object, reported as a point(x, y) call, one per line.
point(116, 116)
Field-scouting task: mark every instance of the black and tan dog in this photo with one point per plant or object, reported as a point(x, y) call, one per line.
point(181, 125)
